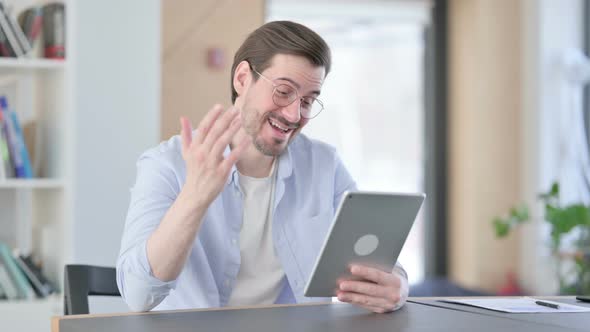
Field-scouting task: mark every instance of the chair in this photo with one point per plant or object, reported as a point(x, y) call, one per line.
point(80, 281)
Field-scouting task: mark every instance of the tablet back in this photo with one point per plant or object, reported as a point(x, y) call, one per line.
point(370, 229)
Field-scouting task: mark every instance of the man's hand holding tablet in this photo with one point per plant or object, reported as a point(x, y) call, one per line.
point(357, 261)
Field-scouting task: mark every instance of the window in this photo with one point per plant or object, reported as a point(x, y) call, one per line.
point(374, 96)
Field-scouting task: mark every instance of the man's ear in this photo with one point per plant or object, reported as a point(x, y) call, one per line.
point(242, 77)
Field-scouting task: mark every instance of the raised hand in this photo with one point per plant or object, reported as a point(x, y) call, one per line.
point(206, 173)
point(207, 169)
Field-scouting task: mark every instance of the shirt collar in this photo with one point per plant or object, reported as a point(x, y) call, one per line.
point(233, 174)
point(284, 163)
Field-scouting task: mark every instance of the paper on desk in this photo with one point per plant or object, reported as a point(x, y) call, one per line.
point(517, 305)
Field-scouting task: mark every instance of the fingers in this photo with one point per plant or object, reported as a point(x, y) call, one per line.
point(207, 122)
point(377, 310)
point(361, 287)
point(214, 133)
point(235, 154)
point(186, 132)
point(219, 127)
point(226, 138)
point(375, 275)
point(379, 291)
point(389, 293)
point(370, 302)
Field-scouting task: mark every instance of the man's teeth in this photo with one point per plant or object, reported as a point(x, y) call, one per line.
point(276, 125)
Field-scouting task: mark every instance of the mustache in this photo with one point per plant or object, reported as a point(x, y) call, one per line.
point(279, 118)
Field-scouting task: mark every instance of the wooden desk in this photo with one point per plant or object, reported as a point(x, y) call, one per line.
point(311, 317)
point(579, 321)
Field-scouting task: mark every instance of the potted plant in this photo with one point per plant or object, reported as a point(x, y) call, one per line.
point(567, 222)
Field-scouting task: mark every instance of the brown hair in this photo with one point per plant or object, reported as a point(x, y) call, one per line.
point(280, 37)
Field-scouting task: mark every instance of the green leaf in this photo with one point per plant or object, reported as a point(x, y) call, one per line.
point(554, 189)
point(564, 219)
point(520, 213)
point(501, 226)
point(570, 289)
point(552, 195)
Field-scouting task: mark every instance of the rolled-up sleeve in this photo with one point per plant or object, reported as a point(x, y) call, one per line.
point(155, 189)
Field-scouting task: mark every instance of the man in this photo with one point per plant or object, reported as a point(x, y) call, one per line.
point(235, 212)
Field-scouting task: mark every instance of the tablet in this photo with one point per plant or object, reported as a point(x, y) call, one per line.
point(370, 229)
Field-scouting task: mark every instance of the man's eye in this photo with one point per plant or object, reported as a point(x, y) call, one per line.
point(284, 90)
point(306, 102)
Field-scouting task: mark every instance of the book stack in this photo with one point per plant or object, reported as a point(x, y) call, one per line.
point(18, 38)
point(14, 156)
point(20, 277)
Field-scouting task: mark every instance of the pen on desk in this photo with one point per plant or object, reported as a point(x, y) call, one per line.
point(547, 304)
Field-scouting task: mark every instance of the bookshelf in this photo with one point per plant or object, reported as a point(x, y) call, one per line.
point(32, 184)
point(36, 214)
point(31, 64)
point(33, 312)
point(94, 113)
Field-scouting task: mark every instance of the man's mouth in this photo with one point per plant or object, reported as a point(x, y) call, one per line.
point(279, 126)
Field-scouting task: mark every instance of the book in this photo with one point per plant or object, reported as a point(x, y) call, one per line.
point(25, 290)
point(41, 285)
point(5, 157)
point(31, 22)
point(16, 142)
point(11, 139)
point(3, 152)
point(2, 293)
point(8, 285)
point(10, 36)
point(2, 164)
point(54, 32)
point(12, 27)
point(5, 49)
point(27, 170)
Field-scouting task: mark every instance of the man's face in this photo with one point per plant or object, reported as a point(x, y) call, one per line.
point(272, 127)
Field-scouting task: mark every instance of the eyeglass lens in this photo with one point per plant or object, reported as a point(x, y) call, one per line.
point(284, 95)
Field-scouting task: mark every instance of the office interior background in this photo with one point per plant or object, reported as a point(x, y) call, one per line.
point(482, 104)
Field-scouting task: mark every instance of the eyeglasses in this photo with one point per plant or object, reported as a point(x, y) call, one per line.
point(284, 95)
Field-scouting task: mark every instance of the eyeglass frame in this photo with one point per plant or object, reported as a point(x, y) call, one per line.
point(275, 86)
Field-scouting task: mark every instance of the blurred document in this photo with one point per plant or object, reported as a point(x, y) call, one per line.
point(519, 305)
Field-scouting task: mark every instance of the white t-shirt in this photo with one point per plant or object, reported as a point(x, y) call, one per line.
point(261, 275)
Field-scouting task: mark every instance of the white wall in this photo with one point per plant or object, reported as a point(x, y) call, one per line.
point(117, 104)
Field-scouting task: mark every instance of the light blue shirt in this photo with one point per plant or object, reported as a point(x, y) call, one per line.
point(310, 182)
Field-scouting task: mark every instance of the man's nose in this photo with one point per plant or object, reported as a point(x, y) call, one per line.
point(291, 112)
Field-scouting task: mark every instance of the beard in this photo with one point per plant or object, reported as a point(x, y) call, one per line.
point(253, 124)
point(268, 149)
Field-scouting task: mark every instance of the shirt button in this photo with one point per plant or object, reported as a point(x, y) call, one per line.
point(233, 241)
point(227, 282)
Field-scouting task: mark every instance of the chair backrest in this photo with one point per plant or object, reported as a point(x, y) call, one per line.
point(80, 281)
